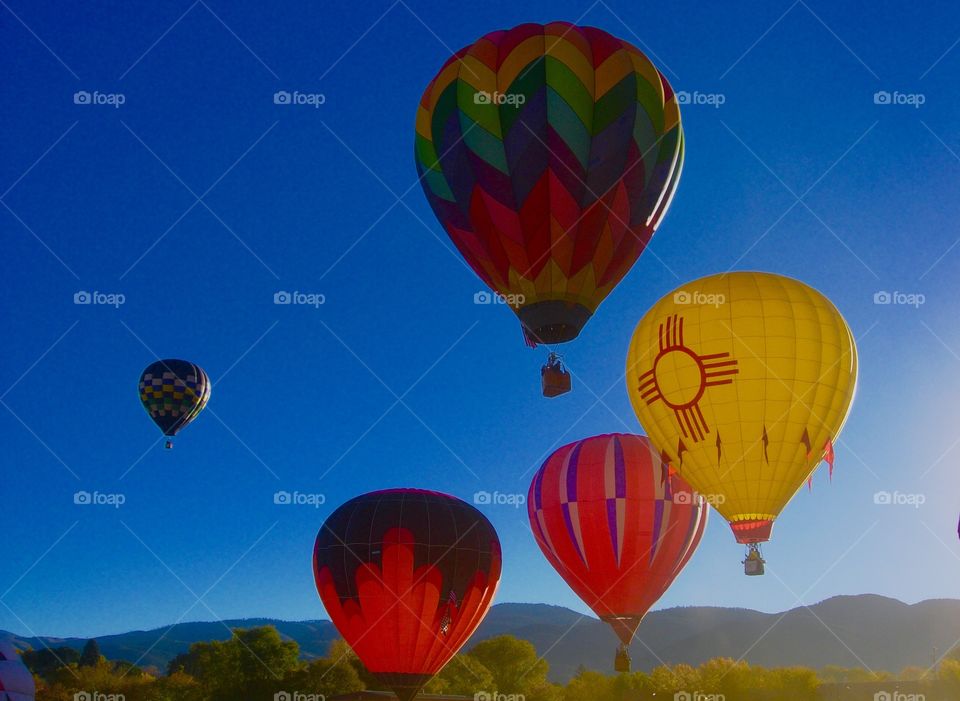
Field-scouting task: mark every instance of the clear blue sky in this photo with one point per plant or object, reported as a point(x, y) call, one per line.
point(300, 199)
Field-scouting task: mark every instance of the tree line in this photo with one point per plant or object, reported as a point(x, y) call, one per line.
point(257, 663)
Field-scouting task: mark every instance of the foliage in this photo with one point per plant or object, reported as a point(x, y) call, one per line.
point(258, 663)
point(90, 656)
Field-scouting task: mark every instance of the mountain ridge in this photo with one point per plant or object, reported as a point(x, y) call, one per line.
point(866, 630)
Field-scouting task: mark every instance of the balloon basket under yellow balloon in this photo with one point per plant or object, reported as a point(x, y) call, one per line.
point(753, 564)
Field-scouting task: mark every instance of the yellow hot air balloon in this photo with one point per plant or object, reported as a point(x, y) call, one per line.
point(743, 381)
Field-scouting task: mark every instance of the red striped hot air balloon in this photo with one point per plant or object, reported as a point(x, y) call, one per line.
point(617, 524)
point(16, 682)
point(407, 576)
point(549, 153)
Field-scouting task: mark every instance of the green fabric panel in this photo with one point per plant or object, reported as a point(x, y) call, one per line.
point(528, 83)
point(567, 124)
point(650, 101)
point(612, 106)
point(567, 85)
point(486, 115)
point(483, 143)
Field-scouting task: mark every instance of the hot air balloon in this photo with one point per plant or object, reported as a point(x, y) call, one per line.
point(549, 153)
point(173, 392)
point(616, 524)
point(743, 381)
point(16, 682)
point(406, 576)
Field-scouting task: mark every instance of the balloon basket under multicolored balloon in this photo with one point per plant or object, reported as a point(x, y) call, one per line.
point(168, 444)
point(554, 378)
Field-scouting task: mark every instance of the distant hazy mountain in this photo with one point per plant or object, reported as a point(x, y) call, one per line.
point(864, 631)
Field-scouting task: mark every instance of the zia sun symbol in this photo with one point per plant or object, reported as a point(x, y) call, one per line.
point(679, 377)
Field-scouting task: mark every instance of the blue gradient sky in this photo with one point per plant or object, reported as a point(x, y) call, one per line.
point(399, 379)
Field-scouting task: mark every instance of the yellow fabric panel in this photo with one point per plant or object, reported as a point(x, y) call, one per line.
point(616, 67)
point(519, 60)
point(475, 73)
point(765, 363)
point(572, 57)
point(649, 72)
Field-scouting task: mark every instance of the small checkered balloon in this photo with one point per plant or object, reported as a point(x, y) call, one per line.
point(174, 392)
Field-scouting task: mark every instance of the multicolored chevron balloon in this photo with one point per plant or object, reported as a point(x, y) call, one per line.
point(550, 153)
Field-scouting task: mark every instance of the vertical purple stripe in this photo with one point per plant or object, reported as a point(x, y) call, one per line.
point(612, 523)
point(657, 522)
point(572, 473)
point(619, 469)
point(573, 535)
point(538, 488)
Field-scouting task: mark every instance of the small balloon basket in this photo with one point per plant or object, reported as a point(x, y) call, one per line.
point(754, 562)
point(554, 378)
point(621, 663)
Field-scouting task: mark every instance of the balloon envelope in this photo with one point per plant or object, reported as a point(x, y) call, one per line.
point(173, 392)
point(549, 153)
point(406, 576)
point(615, 524)
point(16, 681)
point(743, 380)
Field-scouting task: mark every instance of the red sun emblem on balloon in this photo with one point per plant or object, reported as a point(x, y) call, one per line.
point(679, 377)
